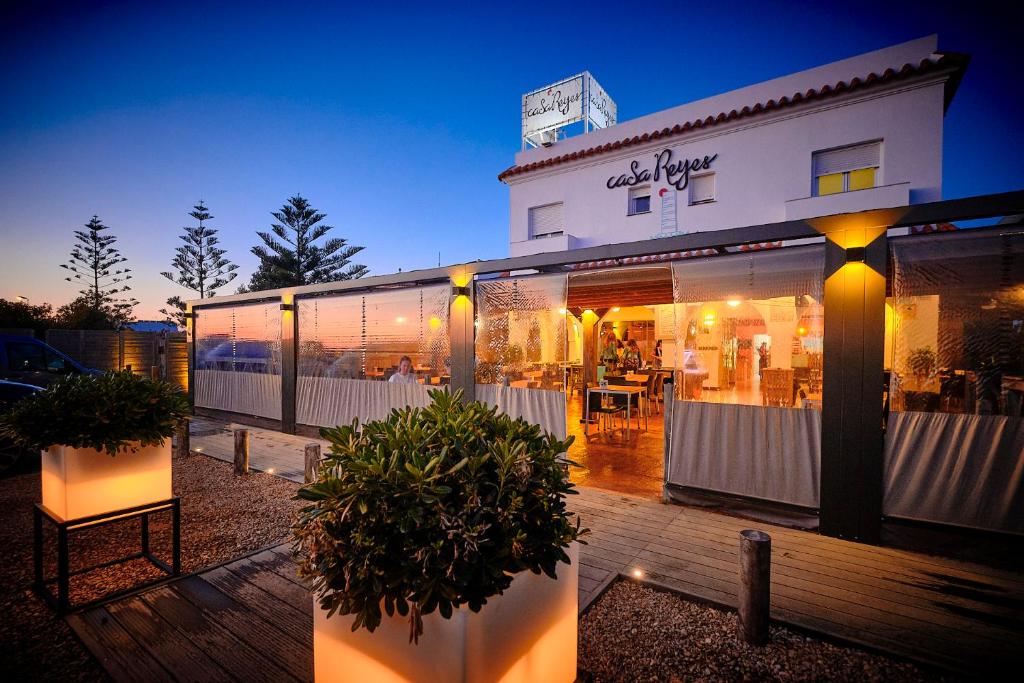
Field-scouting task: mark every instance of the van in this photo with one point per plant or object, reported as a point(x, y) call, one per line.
point(30, 361)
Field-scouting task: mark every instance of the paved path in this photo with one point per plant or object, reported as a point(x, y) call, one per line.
point(230, 620)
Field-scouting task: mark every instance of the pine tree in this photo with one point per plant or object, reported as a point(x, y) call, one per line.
point(200, 262)
point(174, 314)
point(296, 260)
point(92, 262)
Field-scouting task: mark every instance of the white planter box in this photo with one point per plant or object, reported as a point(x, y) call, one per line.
point(80, 482)
point(525, 635)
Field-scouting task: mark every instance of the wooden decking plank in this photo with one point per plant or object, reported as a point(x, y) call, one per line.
point(244, 662)
point(808, 597)
point(296, 621)
point(858, 552)
point(793, 563)
point(172, 649)
point(260, 632)
point(118, 653)
point(284, 589)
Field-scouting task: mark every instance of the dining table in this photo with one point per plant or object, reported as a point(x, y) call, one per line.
point(616, 390)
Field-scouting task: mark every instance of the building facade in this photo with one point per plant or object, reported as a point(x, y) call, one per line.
point(861, 133)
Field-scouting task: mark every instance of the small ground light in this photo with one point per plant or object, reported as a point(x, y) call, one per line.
point(270, 471)
point(638, 573)
point(198, 450)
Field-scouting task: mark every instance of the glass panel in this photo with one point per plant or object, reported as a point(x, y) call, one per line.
point(750, 328)
point(366, 336)
point(238, 359)
point(521, 331)
point(958, 324)
point(862, 178)
point(830, 184)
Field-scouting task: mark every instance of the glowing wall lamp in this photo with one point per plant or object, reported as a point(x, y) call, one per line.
point(458, 291)
point(855, 254)
point(287, 307)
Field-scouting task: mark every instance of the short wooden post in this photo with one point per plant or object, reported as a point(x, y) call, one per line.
point(755, 586)
point(312, 461)
point(241, 451)
point(154, 372)
point(184, 439)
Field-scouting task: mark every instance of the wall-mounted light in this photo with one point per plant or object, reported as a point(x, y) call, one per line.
point(855, 254)
point(192, 316)
point(287, 307)
point(733, 303)
point(616, 309)
point(460, 291)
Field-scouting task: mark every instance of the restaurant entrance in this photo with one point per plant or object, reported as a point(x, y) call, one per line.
point(620, 351)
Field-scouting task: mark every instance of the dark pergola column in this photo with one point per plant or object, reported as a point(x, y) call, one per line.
point(289, 360)
point(461, 332)
point(852, 448)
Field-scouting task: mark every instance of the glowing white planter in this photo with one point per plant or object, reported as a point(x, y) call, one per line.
point(80, 482)
point(525, 635)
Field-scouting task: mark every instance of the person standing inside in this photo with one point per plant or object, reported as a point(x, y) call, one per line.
point(763, 358)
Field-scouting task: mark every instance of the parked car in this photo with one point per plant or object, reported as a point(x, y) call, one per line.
point(14, 460)
point(30, 361)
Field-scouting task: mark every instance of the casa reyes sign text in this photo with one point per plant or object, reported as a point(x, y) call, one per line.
point(677, 173)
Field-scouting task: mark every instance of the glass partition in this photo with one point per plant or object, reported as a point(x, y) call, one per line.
point(238, 359)
point(748, 380)
point(956, 386)
point(360, 355)
point(750, 328)
point(521, 347)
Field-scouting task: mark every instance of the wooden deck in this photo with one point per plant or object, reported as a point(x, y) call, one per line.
point(251, 619)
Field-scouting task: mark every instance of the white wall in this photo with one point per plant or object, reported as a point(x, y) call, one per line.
point(763, 161)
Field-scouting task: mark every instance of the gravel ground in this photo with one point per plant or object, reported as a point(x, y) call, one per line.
point(222, 517)
point(635, 633)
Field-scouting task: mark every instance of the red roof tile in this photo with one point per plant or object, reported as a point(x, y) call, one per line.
point(947, 60)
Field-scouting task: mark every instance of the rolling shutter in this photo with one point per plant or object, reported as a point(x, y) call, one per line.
point(546, 220)
point(847, 159)
point(702, 188)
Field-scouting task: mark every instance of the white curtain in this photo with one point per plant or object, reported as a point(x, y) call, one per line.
point(539, 406)
point(955, 469)
point(249, 393)
point(761, 452)
point(329, 402)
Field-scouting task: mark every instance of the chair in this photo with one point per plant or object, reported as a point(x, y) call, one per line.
point(657, 392)
point(604, 411)
point(777, 387)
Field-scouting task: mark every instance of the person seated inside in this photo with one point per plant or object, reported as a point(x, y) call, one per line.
point(404, 374)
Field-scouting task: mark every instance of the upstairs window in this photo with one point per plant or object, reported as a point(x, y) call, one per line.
point(639, 201)
point(847, 168)
point(546, 221)
point(702, 188)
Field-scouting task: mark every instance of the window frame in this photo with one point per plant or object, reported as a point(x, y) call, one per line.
point(714, 194)
point(845, 175)
point(636, 193)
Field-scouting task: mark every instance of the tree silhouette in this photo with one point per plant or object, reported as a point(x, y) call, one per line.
point(92, 264)
point(293, 258)
point(200, 263)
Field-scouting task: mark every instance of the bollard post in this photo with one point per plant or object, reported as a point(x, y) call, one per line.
point(312, 461)
point(755, 586)
point(241, 451)
point(184, 439)
point(154, 372)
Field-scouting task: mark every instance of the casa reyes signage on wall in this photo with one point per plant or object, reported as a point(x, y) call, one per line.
point(676, 173)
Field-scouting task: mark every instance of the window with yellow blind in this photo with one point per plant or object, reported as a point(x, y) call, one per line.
point(846, 168)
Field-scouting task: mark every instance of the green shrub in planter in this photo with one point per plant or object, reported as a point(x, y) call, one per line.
point(432, 509)
point(106, 412)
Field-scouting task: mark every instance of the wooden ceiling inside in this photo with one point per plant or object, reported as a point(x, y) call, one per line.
point(621, 287)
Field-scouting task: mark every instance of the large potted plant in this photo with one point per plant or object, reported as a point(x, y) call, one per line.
point(105, 441)
point(441, 549)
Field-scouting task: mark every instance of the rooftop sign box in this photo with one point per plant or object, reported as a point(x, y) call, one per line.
point(577, 98)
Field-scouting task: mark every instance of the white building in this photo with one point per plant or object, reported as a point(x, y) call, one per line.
point(861, 133)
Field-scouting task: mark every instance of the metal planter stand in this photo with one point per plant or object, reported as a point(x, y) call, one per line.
point(61, 602)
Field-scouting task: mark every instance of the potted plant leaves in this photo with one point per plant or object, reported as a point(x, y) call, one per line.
point(105, 441)
point(921, 398)
point(440, 548)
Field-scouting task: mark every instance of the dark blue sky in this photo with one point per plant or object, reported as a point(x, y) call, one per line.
point(393, 119)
